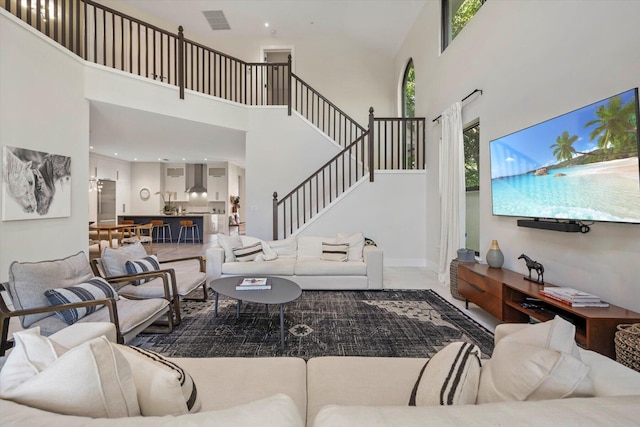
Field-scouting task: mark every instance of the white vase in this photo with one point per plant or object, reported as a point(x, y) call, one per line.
point(495, 258)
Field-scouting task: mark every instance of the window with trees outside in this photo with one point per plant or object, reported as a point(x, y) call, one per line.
point(408, 97)
point(409, 91)
point(455, 15)
point(471, 138)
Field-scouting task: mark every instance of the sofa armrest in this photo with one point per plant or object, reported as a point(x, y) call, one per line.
point(373, 258)
point(215, 259)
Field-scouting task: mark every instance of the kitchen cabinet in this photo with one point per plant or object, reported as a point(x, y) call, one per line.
point(216, 185)
point(175, 180)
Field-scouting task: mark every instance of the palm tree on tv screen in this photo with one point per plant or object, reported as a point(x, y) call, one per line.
point(563, 148)
point(615, 125)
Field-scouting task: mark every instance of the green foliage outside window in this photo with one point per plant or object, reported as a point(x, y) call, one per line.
point(456, 14)
point(409, 91)
point(463, 15)
point(471, 137)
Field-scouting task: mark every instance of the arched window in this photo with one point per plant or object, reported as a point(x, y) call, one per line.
point(409, 91)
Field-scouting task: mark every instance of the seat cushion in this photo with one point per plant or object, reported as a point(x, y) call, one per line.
point(330, 268)
point(29, 280)
point(278, 267)
point(131, 313)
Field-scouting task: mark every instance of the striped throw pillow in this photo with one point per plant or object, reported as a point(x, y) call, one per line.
point(96, 288)
point(149, 263)
point(335, 251)
point(450, 377)
point(248, 253)
point(164, 388)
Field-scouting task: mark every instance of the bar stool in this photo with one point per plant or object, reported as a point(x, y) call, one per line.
point(187, 225)
point(159, 225)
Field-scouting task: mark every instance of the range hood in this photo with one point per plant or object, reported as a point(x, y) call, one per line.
point(199, 173)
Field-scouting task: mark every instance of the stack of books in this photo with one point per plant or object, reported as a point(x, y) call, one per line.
point(573, 297)
point(253, 283)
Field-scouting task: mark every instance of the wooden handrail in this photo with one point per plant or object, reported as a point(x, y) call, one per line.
point(324, 114)
point(399, 143)
point(334, 158)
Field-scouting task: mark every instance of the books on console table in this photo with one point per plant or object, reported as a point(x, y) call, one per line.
point(573, 297)
point(253, 284)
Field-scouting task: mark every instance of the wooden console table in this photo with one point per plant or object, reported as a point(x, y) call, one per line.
point(501, 292)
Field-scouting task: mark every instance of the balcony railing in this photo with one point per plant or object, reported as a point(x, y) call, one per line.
point(110, 38)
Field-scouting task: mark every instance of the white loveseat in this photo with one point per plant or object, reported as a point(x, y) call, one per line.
point(301, 260)
point(351, 391)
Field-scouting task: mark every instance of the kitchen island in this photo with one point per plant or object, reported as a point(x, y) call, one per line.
point(207, 223)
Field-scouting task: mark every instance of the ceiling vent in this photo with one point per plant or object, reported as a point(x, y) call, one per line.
point(216, 19)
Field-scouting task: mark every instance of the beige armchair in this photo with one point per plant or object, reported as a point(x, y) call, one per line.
point(28, 282)
point(184, 276)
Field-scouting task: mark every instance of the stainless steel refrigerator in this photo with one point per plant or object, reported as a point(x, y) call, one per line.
point(107, 202)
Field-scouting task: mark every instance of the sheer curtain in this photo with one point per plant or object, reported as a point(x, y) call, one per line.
point(452, 189)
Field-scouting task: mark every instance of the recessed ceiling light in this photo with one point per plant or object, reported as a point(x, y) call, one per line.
point(115, 154)
point(183, 159)
point(91, 147)
point(135, 159)
point(266, 24)
point(205, 159)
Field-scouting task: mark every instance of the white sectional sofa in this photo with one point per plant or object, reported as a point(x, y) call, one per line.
point(353, 392)
point(301, 260)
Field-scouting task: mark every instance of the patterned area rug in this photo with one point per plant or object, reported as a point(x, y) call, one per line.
point(322, 323)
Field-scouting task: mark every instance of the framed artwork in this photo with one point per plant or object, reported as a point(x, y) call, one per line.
point(35, 184)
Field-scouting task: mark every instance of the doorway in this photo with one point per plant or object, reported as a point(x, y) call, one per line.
point(277, 77)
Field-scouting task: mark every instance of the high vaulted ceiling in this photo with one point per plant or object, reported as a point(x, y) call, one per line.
point(379, 24)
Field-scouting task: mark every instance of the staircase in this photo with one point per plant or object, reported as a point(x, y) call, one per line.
point(107, 37)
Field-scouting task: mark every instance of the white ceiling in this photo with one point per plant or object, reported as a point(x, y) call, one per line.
point(381, 24)
point(147, 137)
point(141, 136)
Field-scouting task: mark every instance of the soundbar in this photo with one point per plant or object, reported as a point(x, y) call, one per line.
point(569, 227)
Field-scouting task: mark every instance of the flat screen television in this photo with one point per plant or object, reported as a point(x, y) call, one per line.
point(580, 166)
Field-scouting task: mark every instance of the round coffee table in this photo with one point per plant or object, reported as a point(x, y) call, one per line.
point(282, 291)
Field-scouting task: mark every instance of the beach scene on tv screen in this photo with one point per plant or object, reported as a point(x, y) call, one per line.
point(582, 165)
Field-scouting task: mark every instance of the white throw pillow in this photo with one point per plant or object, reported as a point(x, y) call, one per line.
point(114, 259)
point(535, 363)
point(310, 247)
point(356, 245)
point(268, 254)
point(335, 252)
point(90, 380)
point(31, 354)
point(247, 253)
point(163, 387)
point(285, 249)
point(229, 243)
point(450, 377)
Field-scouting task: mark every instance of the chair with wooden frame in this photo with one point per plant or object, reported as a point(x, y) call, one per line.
point(130, 317)
point(185, 275)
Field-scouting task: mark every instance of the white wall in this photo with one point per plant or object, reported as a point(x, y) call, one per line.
point(282, 151)
point(128, 90)
point(42, 108)
point(534, 60)
point(146, 175)
point(386, 211)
